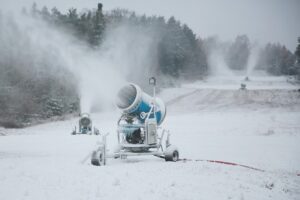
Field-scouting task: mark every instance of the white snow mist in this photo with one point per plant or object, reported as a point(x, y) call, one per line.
point(125, 55)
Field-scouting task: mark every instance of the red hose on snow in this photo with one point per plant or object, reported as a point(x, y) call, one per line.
point(226, 163)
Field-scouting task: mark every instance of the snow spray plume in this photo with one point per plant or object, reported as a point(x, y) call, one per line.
point(218, 66)
point(216, 58)
point(252, 61)
point(47, 46)
point(132, 50)
point(125, 54)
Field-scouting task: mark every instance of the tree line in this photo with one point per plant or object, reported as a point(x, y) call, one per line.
point(181, 54)
point(179, 50)
point(273, 58)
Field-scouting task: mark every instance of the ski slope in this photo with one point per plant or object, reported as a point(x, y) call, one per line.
point(210, 120)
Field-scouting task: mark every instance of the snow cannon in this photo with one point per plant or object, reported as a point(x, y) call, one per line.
point(85, 125)
point(138, 132)
point(136, 103)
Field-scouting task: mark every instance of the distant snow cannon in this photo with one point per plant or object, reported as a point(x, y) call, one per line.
point(85, 126)
point(243, 86)
point(138, 125)
point(85, 123)
point(246, 78)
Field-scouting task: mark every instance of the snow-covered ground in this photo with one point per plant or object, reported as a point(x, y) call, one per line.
point(210, 120)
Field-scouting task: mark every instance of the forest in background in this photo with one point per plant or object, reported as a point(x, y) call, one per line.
point(49, 90)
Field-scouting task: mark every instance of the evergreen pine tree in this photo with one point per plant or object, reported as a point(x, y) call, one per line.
point(238, 53)
point(98, 21)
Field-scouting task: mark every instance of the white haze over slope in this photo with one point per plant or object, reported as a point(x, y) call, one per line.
point(125, 54)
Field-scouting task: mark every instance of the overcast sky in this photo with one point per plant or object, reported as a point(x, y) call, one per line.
point(262, 20)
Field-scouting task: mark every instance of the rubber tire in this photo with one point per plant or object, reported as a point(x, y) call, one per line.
point(173, 157)
point(95, 160)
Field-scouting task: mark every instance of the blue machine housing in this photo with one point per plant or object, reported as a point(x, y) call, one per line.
point(133, 101)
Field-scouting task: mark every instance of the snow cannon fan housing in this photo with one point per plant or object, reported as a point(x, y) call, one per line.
point(85, 123)
point(133, 101)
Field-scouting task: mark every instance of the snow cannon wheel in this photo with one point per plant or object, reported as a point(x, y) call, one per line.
point(171, 154)
point(98, 158)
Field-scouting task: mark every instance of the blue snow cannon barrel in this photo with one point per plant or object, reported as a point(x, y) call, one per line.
point(133, 101)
